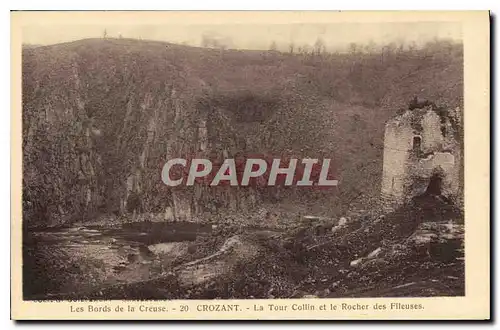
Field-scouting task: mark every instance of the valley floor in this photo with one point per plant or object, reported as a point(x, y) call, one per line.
point(415, 251)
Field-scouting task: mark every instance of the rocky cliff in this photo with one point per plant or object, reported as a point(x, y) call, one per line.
point(101, 117)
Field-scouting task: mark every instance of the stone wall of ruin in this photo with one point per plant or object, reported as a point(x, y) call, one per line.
point(408, 169)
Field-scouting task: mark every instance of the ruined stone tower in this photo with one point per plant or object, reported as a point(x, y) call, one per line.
point(423, 153)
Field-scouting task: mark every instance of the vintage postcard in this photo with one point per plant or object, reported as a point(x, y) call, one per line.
point(250, 165)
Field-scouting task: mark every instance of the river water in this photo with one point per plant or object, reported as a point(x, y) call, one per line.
point(62, 260)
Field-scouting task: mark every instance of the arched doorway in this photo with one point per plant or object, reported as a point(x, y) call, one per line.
point(435, 184)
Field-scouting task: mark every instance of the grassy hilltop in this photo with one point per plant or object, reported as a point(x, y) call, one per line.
point(98, 111)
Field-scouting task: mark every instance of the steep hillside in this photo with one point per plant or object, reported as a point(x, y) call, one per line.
point(101, 116)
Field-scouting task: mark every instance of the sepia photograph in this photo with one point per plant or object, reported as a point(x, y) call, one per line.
point(218, 160)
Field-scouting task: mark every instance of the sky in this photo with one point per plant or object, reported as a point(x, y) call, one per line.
point(335, 36)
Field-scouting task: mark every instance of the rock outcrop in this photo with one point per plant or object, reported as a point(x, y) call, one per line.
point(101, 117)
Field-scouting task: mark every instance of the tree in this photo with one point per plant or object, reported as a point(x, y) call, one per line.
point(205, 41)
point(412, 46)
point(353, 48)
point(390, 48)
point(319, 46)
point(273, 46)
point(371, 47)
point(306, 49)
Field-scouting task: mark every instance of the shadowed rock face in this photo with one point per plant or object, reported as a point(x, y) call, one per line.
point(100, 118)
point(99, 123)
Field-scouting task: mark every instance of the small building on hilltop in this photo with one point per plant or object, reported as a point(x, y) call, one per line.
point(423, 153)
